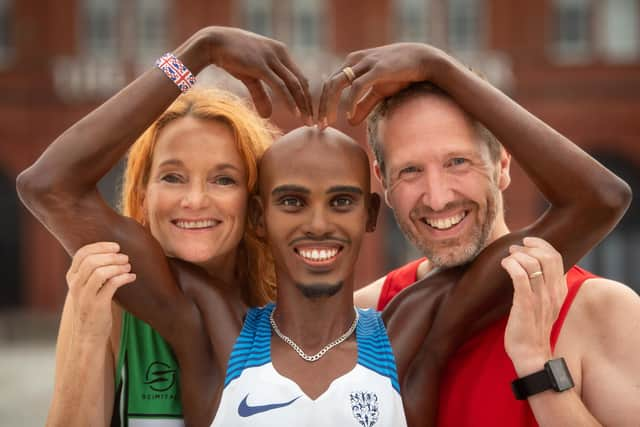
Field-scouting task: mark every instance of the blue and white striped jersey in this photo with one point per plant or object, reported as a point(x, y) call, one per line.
point(256, 395)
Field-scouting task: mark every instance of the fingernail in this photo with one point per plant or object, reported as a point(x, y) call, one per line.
point(297, 110)
point(349, 115)
point(325, 122)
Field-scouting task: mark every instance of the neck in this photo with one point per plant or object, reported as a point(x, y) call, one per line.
point(500, 229)
point(223, 268)
point(312, 323)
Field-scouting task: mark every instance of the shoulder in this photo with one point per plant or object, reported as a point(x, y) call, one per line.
point(601, 299)
point(368, 296)
point(608, 309)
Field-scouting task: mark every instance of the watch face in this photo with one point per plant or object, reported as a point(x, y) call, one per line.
point(559, 373)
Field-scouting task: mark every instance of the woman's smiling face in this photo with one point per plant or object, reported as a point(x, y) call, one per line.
point(196, 199)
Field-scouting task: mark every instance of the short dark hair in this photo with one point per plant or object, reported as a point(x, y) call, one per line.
point(414, 90)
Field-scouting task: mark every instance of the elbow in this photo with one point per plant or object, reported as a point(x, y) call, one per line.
point(35, 189)
point(618, 199)
point(30, 187)
point(613, 200)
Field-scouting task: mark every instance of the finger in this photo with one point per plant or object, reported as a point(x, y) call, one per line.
point(91, 262)
point(294, 88)
point(303, 96)
point(331, 91)
point(550, 260)
point(551, 263)
point(277, 85)
point(365, 106)
point(90, 249)
point(101, 275)
point(109, 289)
point(361, 86)
point(260, 97)
point(551, 253)
point(531, 265)
point(537, 242)
point(519, 276)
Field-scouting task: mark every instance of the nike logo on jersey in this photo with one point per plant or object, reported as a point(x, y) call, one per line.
point(244, 410)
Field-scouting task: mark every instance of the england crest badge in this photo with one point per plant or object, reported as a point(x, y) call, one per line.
point(364, 406)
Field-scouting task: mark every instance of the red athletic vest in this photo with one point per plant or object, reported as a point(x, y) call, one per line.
point(476, 385)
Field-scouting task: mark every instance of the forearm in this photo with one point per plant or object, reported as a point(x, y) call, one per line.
point(102, 138)
point(553, 409)
point(79, 395)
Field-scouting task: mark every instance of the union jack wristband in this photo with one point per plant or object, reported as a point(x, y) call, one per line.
point(176, 71)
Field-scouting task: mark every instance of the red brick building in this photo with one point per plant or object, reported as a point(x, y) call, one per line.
point(574, 63)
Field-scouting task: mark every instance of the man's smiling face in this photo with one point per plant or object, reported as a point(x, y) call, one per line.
point(316, 207)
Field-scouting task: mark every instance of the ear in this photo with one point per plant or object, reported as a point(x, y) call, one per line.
point(256, 216)
point(504, 170)
point(386, 199)
point(372, 212)
point(380, 177)
point(378, 173)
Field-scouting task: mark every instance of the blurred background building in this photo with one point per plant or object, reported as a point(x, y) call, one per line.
point(573, 63)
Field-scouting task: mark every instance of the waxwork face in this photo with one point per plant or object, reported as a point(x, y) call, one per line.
point(315, 208)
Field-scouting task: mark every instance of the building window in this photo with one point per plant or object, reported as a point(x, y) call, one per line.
point(619, 34)
point(305, 29)
point(411, 22)
point(6, 31)
point(571, 28)
point(258, 17)
point(151, 28)
point(100, 28)
point(464, 25)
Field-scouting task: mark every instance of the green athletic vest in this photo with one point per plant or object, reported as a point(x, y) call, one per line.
point(147, 386)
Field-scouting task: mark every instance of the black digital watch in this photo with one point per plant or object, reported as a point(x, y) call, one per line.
point(555, 376)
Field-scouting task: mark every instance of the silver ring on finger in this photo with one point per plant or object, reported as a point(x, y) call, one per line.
point(535, 274)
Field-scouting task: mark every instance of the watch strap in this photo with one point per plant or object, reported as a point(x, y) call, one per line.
point(531, 384)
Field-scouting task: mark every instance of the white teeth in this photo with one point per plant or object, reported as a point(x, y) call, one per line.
point(196, 224)
point(318, 254)
point(445, 223)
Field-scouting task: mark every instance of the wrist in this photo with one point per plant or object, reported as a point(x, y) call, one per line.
point(195, 53)
point(438, 67)
point(530, 363)
point(89, 339)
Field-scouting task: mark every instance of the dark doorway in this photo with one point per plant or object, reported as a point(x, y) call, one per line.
point(11, 287)
point(617, 257)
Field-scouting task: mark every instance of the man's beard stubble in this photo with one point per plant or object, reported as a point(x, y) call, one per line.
point(455, 254)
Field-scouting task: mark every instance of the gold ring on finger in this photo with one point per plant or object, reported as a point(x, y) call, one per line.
point(535, 274)
point(349, 74)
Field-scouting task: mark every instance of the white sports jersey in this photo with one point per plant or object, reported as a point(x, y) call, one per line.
point(256, 395)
